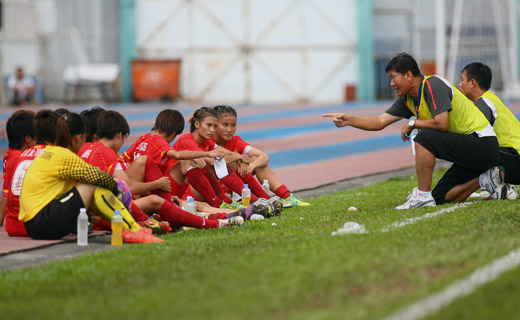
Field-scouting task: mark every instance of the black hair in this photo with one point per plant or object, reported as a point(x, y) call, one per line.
point(76, 124)
point(110, 123)
point(62, 111)
point(223, 109)
point(92, 118)
point(201, 114)
point(50, 128)
point(481, 73)
point(19, 126)
point(169, 122)
point(402, 63)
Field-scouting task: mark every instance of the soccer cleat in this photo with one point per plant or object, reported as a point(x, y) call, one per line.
point(276, 204)
point(158, 227)
point(496, 185)
point(414, 201)
point(511, 194)
point(233, 221)
point(233, 205)
point(143, 235)
point(293, 200)
point(265, 208)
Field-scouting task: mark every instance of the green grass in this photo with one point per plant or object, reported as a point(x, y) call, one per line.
point(294, 270)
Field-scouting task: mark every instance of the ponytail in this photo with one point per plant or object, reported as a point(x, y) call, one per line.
point(201, 114)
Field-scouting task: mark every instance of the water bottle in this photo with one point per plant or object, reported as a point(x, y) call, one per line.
point(246, 196)
point(190, 205)
point(82, 231)
point(117, 227)
point(266, 186)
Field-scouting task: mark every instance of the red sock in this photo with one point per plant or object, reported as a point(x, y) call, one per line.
point(201, 184)
point(152, 173)
point(233, 181)
point(178, 217)
point(215, 216)
point(255, 186)
point(137, 213)
point(215, 184)
point(282, 192)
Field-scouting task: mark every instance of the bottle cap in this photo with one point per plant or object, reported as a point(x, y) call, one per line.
point(246, 185)
point(117, 212)
point(83, 210)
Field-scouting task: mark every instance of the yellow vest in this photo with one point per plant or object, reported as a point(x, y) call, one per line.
point(463, 118)
point(506, 126)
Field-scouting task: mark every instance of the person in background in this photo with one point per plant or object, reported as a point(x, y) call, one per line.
point(20, 88)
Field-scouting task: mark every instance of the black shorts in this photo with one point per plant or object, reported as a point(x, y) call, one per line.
point(510, 160)
point(470, 155)
point(58, 218)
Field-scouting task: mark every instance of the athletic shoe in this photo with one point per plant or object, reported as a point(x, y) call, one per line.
point(140, 236)
point(414, 201)
point(276, 204)
point(233, 205)
point(264, 208)
point(512, 194)
point(234, 221)
point(158, 227)
point(495, 184)
point(293, 200)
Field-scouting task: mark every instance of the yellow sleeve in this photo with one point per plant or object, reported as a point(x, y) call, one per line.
point(74, 168)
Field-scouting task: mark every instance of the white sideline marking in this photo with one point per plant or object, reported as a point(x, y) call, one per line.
point(460, 288)
point(413, 220)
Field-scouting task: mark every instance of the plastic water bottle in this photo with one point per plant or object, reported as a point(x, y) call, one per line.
point(266, 186)
point(246, 196)
point(117, 227)
point(190, 205)
point(82, 231)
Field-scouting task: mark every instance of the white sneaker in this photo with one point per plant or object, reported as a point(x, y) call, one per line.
point(495, 185)
point(512, 194)
point(414, 201)
point(233, 221)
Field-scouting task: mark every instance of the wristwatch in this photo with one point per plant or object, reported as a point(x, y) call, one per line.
point(411, 123)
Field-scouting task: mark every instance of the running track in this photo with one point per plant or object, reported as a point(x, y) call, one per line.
point(306, 150)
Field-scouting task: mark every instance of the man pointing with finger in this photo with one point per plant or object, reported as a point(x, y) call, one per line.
point(450, 128)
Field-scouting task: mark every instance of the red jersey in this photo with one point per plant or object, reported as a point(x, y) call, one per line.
point(151, 145)
point(101, 156)
point(236, 144)
point(10, 160)
point(15, 177)
point(188, 142)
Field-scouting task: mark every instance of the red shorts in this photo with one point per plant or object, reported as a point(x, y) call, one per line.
point(15, 227)
point(177, 189)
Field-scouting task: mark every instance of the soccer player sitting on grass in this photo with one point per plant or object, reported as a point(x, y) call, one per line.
point(156, 146)
point(475, 83)
point(258, 160)
point(20, 134)
point(450, 128)
point(112, 130)
point(58, 183)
